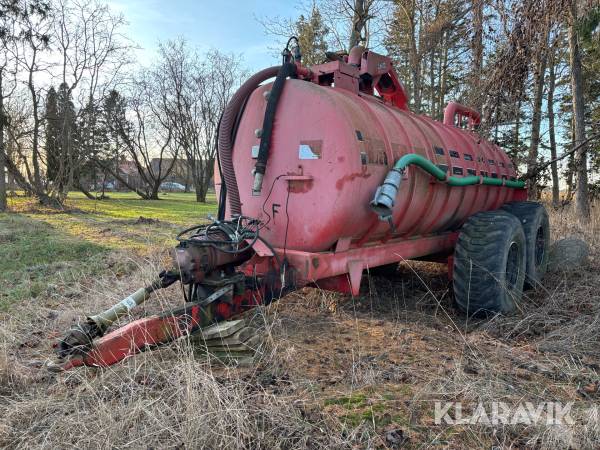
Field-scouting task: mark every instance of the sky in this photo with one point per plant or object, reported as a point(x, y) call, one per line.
point(230, 26)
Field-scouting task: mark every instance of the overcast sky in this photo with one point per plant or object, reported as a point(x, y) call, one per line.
point(228, 25)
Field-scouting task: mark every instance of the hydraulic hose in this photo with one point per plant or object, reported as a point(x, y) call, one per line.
point(227, 138)
point(286, 70)
point(385, 196)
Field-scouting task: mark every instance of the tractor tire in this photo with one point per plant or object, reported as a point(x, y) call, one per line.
point(489, 264)
point(535, 223)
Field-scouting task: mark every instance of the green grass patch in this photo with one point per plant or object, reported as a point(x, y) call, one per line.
point(378, 410)
point(40, 247)
point(348, 402)
point(173, 207)
point(114, 222)
point(32, 253)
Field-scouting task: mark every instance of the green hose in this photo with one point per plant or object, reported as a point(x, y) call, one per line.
point(431, 168)
point(385, 196)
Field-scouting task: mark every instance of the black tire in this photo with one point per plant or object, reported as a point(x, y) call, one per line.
point(489, 264)
point(535, 223)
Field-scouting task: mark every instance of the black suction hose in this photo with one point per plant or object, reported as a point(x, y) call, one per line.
point(286, 70)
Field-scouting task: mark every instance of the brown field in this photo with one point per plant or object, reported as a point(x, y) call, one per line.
point(337, 372)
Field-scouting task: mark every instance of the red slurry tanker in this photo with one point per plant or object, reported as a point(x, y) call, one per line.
point(325, 173)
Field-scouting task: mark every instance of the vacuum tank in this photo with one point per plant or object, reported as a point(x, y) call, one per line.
point(333, 143)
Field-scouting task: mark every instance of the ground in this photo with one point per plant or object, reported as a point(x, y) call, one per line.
point(337, 371)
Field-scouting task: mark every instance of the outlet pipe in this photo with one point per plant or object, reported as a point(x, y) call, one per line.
point(385, 196)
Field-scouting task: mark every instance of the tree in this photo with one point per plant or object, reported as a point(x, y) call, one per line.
point(477, 54)
point(310, 29)
point(145, 138)
point(424, 39)
point(13, 13)
point(539, 78)
point(581, 197)
point(2, 145)
point(360, 17)
point(312, 37)
point(92, 54)
point(78, 43)
point(192, 94)
point(53, 135)
point(35, 29)
point(551, 125)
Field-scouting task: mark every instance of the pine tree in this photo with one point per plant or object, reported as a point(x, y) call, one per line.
point(52, 142)
point(112, 117)
point(312, 34)
point(68, 141)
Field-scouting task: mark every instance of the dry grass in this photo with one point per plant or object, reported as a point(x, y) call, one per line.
point(337, 372)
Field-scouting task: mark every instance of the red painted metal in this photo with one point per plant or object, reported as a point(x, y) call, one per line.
point(332, 146)
point(454, 113)
point(157, 330)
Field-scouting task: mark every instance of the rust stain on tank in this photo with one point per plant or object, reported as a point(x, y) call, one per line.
point(300, 187)
point(350, 177)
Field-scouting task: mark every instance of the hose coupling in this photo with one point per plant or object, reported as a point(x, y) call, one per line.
point(258, 180)
point(385, 195)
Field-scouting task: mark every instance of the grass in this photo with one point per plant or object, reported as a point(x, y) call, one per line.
point(34, 254)
point(340, 372)
point(173, 207)
point(41, 247)
point(176, 208)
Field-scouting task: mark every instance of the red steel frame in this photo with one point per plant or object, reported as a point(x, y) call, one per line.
point(322, 268)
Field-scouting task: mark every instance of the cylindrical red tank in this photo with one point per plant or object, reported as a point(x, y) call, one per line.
point(331, 149)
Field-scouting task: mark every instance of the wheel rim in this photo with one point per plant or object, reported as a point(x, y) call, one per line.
point(512, 265)
point(540, 246)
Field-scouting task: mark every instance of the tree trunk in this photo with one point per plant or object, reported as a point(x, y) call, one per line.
point(2, 151)
point(571, 165)
point(443, 78)
point(535, 123)
point(432, 82)
point(85, 192)
point(581, 197)
point(415, 65)
point(358, 23)
point(477, 49)
point(517, 145)
point(551, 131)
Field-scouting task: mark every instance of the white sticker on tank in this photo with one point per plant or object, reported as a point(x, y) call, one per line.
point(254, 151)
point(306, 152)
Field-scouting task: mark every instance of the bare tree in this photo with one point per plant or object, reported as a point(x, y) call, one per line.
point(35, 31)
point(92, 53)
point(477, 54)
point(193, 94)
point(146, 139)
point(539, 78)
point(79, 44)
